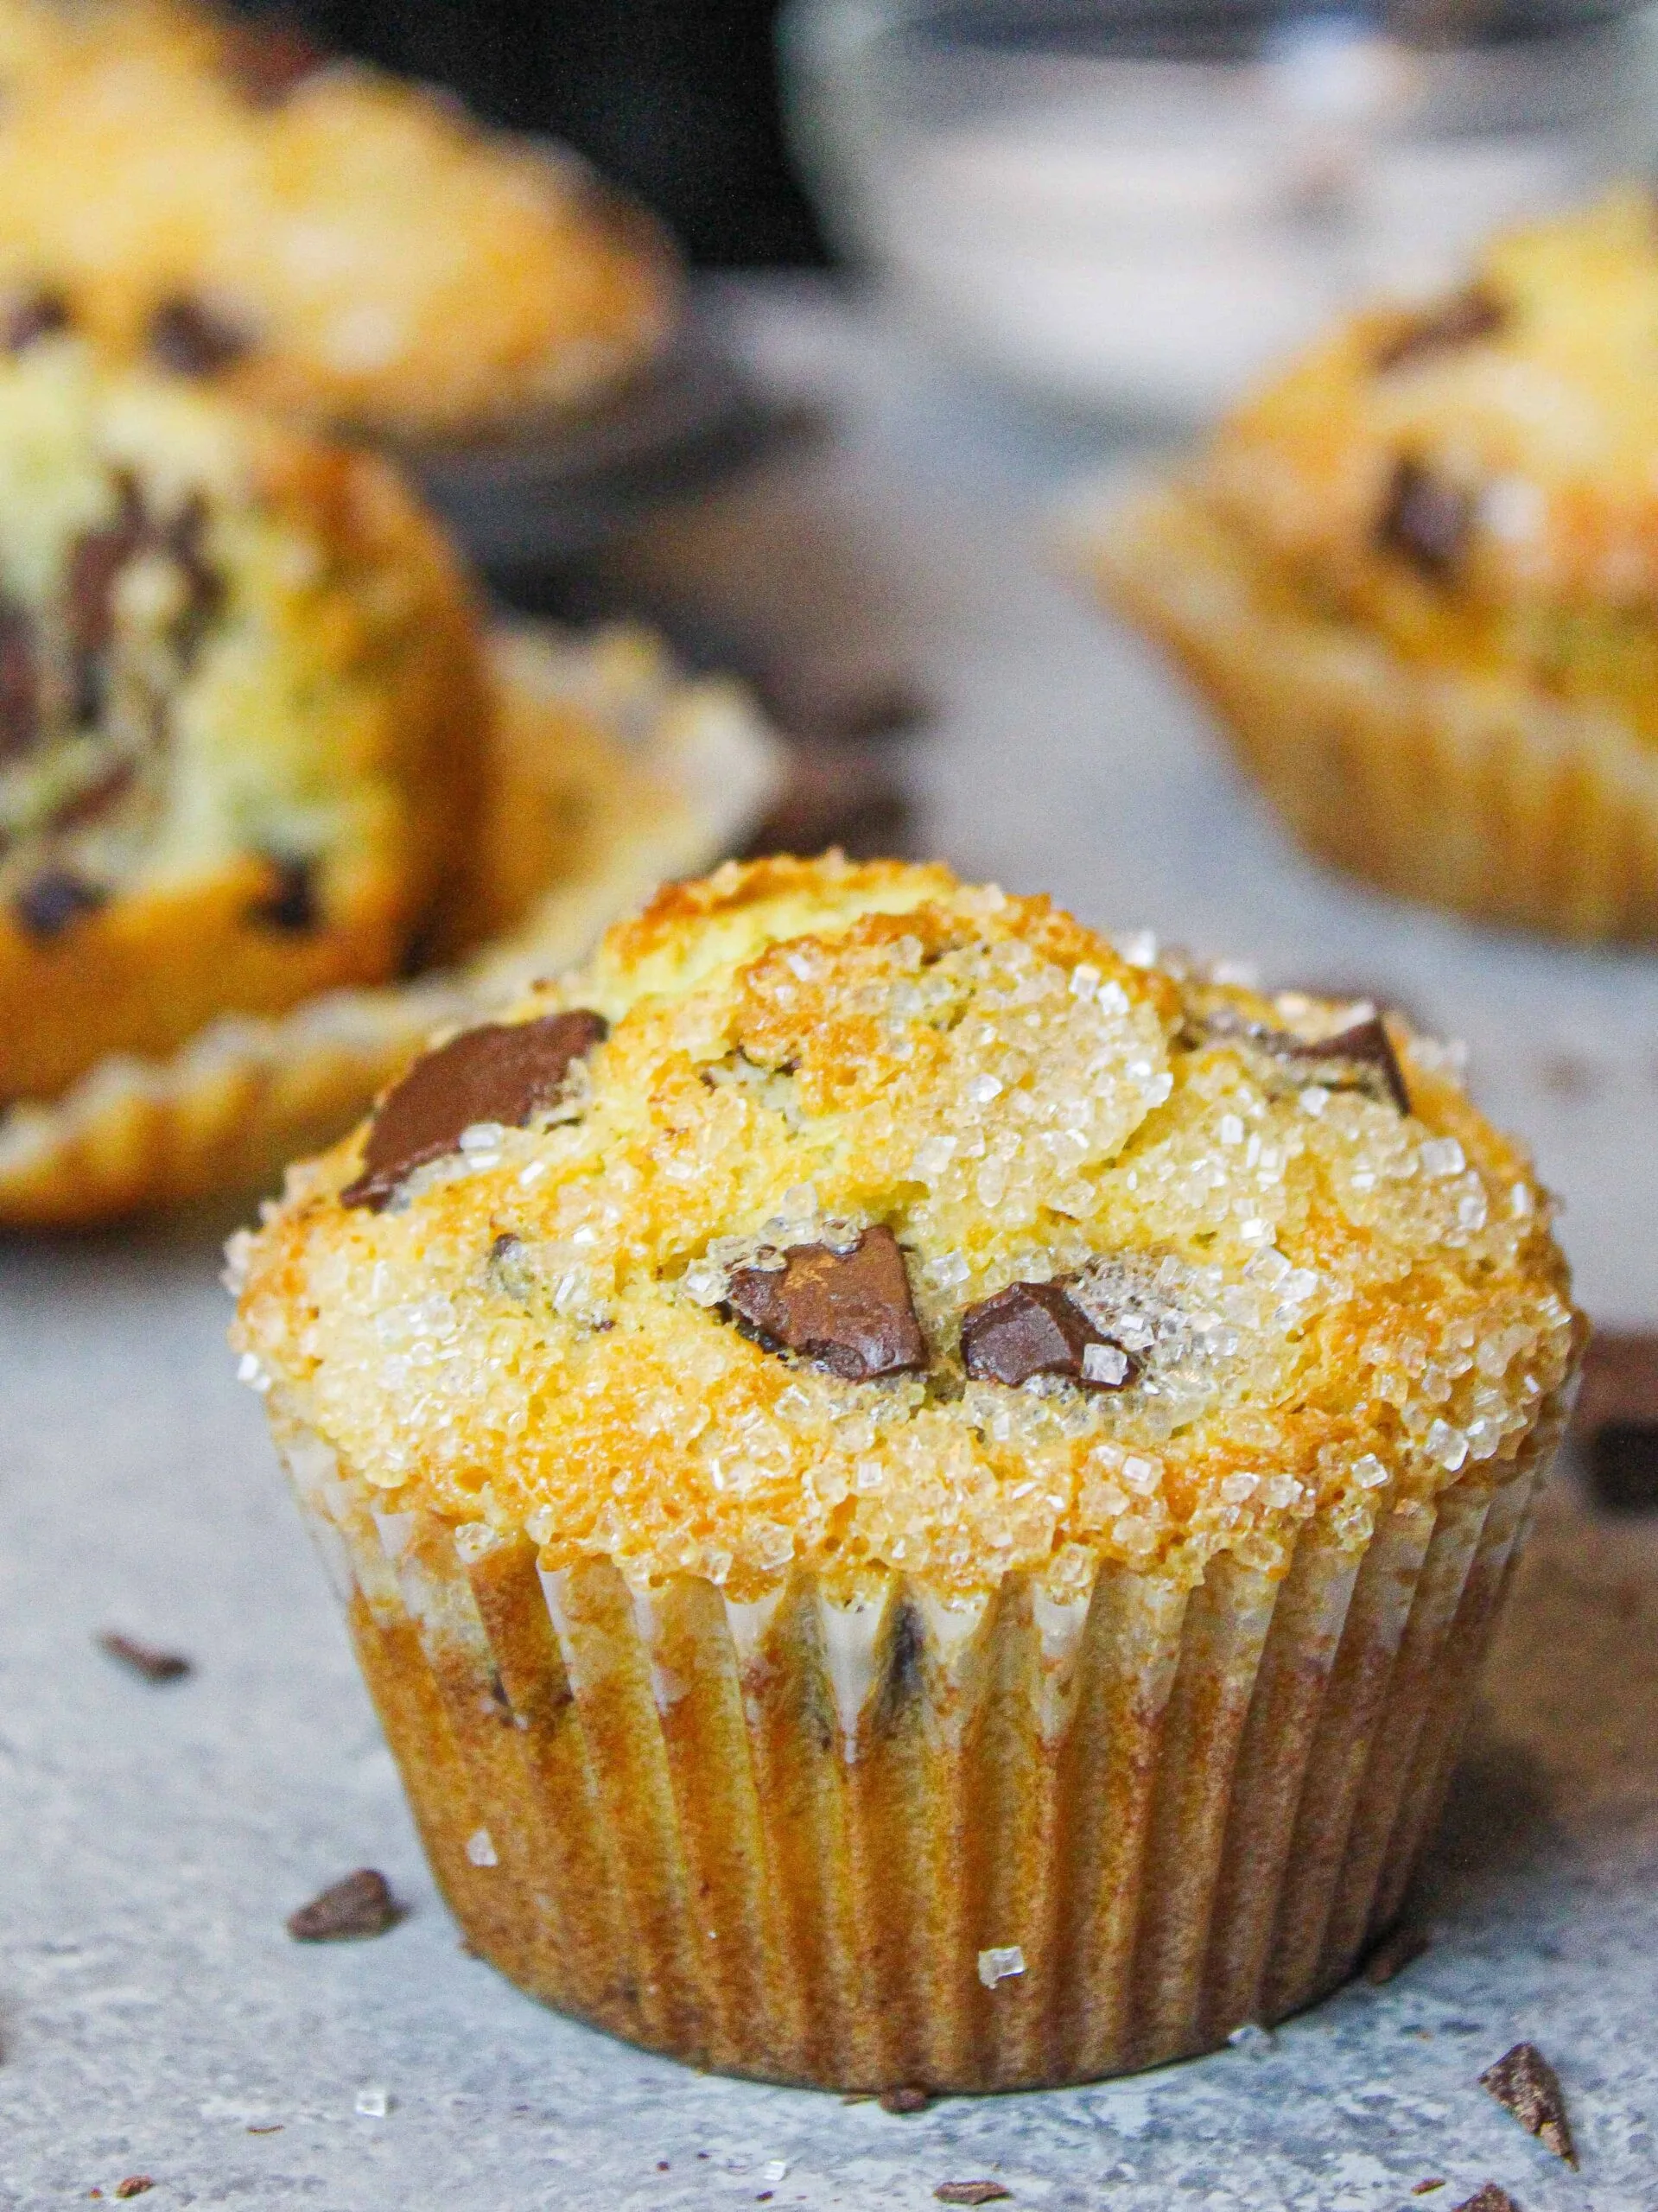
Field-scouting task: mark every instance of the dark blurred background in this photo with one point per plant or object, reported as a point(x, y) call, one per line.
point(676, 98)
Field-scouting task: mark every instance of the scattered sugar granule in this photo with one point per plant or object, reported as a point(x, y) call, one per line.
point(372, 2103)
point(1441, 1156)
point(1002, 1961)
point(1106, 1363)
point(775, 2169)
point(480, 1848)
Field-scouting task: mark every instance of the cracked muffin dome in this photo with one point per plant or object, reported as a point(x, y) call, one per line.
point(242, 709)
point(213, 195)
point(854, 1220)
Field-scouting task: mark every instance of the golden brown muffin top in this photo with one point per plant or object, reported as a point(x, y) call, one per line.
point(1499, 444)
point(861, 1217)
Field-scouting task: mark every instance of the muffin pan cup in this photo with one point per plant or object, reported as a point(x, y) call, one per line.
point(897, 1840)
point(1455, 789)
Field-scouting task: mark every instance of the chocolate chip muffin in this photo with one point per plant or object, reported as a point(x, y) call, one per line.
point(211, 196)
point(920, 1498)
point(242, 714)
point(1416, 575)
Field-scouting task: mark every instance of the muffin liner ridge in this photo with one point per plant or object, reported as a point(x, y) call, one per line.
point(898, 1841)
point(1460, 789)
point(673, 773)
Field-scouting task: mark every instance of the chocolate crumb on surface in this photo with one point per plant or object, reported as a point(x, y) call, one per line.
point(31, 316)
point(194, 340)
point(146, 1659)
point(1463, 319)
point(505, 1073)
point(835, 794)
point(1490, 2198)
point(134, 2185)
point(359, 1905)
point(1426, 2187)
point(904, 2100)
point(849, 1312)
point(1524, 2083)
point(48, 904)
point(1427, 520)
point(1398, 1950)
point(1034, 1328)
point(971, 2192)
point(291, 903)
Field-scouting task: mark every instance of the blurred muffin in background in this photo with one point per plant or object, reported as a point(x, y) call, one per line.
point(1418, 575)
point(317, 239)
point(243, 717)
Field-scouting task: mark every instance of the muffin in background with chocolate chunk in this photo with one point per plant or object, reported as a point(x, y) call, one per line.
point(212, 195)
point(920, 1498)
point(1417, 575)
point(242, 710)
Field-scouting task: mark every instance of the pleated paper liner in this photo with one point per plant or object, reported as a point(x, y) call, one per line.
point(613, 773)
point(1464, 791)
point(893, 1840)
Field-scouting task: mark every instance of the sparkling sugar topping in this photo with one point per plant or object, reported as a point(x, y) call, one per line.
point(903, 1225)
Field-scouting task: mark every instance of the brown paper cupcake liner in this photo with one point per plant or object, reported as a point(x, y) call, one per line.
point(896, 1840)
point(1466, 791)
point(669, 774)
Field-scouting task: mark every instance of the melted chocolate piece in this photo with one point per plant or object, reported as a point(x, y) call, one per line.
point(20, 684)
point(34, 315)
point(267, 59)
point(1033, 1328)
point(359, 1905)
point(56, 896)
point(849, 1312)
point(292, 904)
point(1427, 520)
point(1524, 2083)
point(1366, 1046)
point(96, 560)
point(194, 339)
point(507, 1072)
point(1463, 319)
point(148, 1660)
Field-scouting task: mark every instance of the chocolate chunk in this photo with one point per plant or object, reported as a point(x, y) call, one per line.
point(1623, 1458)
point(1034, 1328)
point(194, 339)
point(134, 2185)
point(56, 896)
point(266, 59)
point(95, 561)
point(1398, 1950)
point(971, 2192)
point(32, 316)
point(1463, 319)
point(906, 2100)
point(1524, 2083)
point(359, 1905)
point(849, 1312)
point(292, 902)
point(1366, 1045)
point(20, 684)
point(507, 1072)
point(1490, 2198)
point(1426, 2187)
point(145, 1659)
point(1427, 520)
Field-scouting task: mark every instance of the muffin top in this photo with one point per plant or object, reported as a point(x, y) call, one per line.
point(854, 1217)
point(1496, 446)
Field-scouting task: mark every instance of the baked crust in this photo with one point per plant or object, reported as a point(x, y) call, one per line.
point(1346, 1304)
point(340, 246)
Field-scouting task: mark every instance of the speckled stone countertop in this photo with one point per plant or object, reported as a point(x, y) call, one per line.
point(155, 2019)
